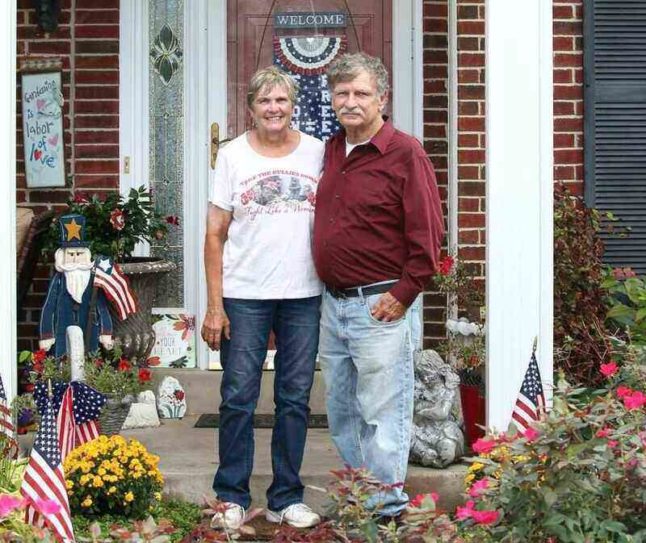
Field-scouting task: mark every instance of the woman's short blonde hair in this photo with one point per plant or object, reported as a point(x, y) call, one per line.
point(268, 78)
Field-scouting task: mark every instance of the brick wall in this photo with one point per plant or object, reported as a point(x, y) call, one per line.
point(568, 93)
point(87, 43)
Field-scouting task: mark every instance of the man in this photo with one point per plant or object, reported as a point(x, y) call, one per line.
point(69, 295)
point(377, 234)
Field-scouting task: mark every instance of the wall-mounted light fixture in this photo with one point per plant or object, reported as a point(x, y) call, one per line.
point(47, 13)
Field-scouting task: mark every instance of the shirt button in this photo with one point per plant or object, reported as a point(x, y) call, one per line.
point(331, 220)
point(343, 172)
point(336, 196)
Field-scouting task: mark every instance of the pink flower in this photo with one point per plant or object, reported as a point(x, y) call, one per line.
point(612, 443)
point(531, 434)
point(478, 487)
point(464, 512)
point(635, 401)
point(618, 274)
point(628, 272)
point(609, 369)
point(48, 507)
point(623, 391)
point(8, 504)
point(484, 517)
point(484, 446)
point(604, 432)
point(117, 219)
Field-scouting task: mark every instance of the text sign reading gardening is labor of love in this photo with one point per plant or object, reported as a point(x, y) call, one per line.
point(320, 19)
point(42, 103)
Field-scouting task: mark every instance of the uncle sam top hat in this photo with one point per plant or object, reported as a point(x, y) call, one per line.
point(72, 230)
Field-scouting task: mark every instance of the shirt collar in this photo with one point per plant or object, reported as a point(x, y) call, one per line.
point(382, 138)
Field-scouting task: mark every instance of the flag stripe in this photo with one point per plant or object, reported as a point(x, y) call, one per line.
point(65, 424)
point(112, 293)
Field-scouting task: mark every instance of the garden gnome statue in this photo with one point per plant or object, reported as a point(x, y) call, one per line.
point(72, 299)
point(437, 439)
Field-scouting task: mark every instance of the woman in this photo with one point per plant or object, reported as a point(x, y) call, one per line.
point(261, 203)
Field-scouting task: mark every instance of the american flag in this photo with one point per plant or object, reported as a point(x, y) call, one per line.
point(108, 276)
point(44, 478)
point(6, 424)
point(87, 408)
point(530, 404)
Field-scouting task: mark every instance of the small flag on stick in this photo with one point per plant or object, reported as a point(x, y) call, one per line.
point(530, 404)
point(6, 424)
point(108, 276)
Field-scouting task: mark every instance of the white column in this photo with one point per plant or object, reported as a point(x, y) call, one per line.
point(519, 197)
point(8, 201)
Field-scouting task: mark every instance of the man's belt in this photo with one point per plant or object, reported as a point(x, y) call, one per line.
point(356, 291)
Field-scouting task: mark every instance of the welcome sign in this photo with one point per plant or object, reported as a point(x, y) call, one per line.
point(42, 103)
point(319, 19)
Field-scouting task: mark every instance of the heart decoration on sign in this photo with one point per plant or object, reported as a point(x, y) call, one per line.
point(40, 104)
point(53, 140)
point(37, 154)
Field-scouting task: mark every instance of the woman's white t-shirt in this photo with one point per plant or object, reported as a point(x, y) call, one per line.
point(268, 252)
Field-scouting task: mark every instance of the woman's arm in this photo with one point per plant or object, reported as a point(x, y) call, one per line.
point(216, 321)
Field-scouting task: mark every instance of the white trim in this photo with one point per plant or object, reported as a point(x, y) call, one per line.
point(134, 126)
point(519, 184)
point(452, 137)
point(8, 215)
point(407, 67)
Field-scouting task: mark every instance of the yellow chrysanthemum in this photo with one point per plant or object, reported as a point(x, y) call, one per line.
point(476, 466)
point(129, 497)
point(86, 502)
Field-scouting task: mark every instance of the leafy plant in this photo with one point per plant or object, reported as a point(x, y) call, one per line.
point(577, 476)
point(454, 279)
point(626, 297)
point(115, 224)
point(112, 475)
point(579, 306)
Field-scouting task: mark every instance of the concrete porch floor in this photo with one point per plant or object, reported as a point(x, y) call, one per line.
point(188, 462)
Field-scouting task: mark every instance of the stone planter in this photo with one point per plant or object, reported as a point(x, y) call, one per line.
point(135, 335)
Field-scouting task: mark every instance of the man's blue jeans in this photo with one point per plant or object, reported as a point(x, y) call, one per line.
point(368, 371)
point(296, 326)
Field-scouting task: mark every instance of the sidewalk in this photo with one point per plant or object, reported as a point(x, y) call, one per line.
point(189, 461)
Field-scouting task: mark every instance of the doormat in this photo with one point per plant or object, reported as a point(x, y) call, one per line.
point(212, 420)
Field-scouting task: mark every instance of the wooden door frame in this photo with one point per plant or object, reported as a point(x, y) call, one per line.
point(203, 49)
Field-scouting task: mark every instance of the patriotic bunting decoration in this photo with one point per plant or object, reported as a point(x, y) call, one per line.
point(6, 424)
point(530, 404)
point(44, 481)
point(306, 59)
point(109, 277)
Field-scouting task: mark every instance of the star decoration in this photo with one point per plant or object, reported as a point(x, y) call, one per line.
point(104, 264)
point(73, 230)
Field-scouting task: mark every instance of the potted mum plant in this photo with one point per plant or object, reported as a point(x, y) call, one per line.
point(464, 347)
point(114, 225)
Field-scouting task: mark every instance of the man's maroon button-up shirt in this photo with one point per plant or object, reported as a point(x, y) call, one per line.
point(378, 215)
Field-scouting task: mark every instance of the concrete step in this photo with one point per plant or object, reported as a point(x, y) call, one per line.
point(202, 389)
point(188, 461)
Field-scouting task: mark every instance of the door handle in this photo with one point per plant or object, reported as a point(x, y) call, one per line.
point(215, 143)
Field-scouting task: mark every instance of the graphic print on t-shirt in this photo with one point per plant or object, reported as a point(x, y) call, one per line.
point(278, 191)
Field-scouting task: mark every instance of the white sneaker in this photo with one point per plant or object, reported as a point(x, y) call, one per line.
point(297, 515)
point(231, 519)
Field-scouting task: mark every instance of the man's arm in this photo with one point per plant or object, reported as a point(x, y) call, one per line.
point(216, 321)
point(423, 229)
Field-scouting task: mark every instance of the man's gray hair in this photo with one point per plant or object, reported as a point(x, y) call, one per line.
point(268, 78)
point(348, 66)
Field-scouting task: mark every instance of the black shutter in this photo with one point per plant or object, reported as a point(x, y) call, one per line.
point(615, 122)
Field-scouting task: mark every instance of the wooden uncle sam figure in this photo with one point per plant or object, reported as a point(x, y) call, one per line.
point(72, 297)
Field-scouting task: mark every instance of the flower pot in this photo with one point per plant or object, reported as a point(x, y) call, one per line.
point(473, 412)
point(113, 414)
point(135, 334)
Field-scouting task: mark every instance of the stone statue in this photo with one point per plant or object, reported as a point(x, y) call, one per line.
point(171, 399)
point(437, 439)
point(72, 299)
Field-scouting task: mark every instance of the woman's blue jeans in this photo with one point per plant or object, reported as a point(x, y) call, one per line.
point(296, 326)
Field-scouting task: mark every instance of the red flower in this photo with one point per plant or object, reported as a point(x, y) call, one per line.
point(144, 375)
point(80, 198)
point(612, 443)
point(416, 502)
point(172, 219)
point(623, 391)
point(39, 355)
point(484, 446)
point(603, 432)
point(484, 517)
point(117, 219)
point(609, 369)
point(124, 365)
point(153, 361)
point(463, 513)
point(446, 265)
point(179, 394)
